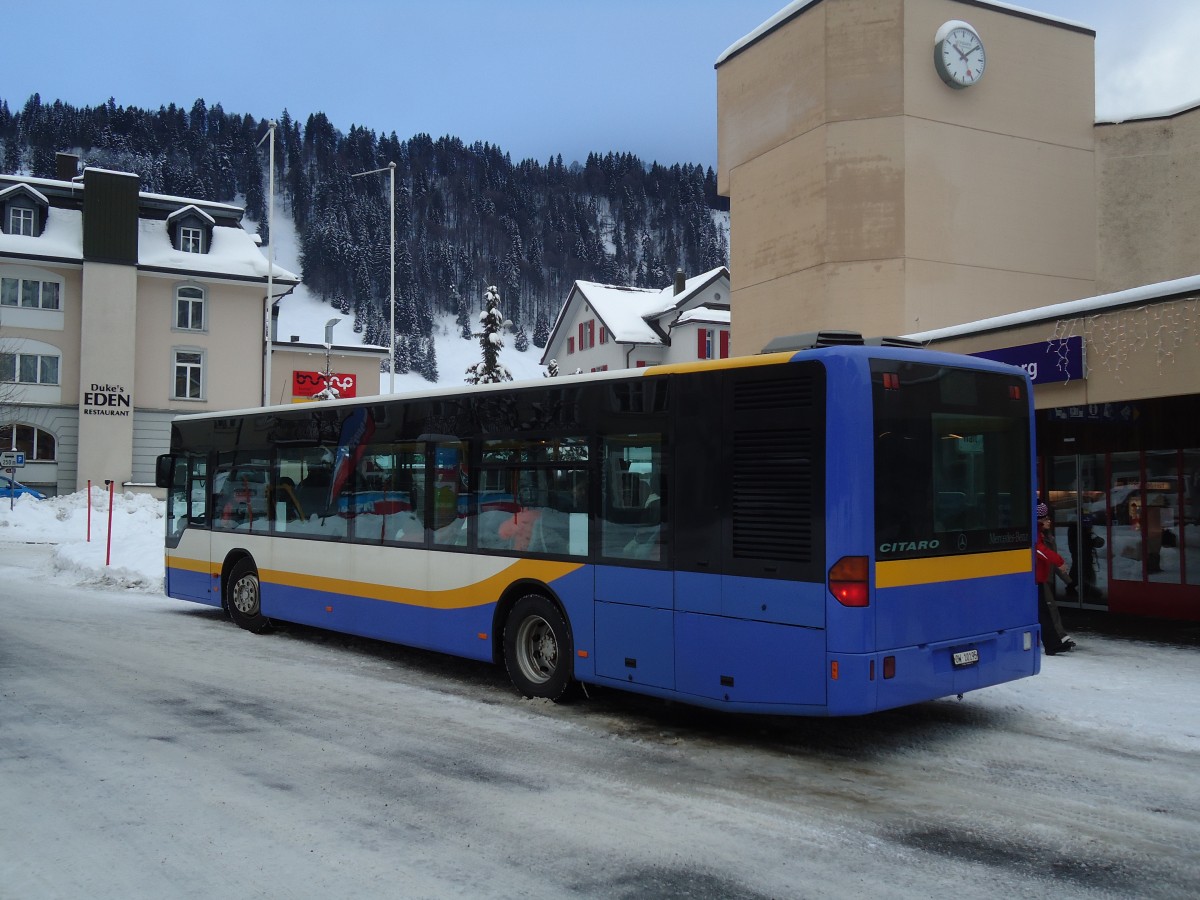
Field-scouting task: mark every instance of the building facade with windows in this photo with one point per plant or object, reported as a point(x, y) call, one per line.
point(602, 327)
point(118, 311)
point(985, 211)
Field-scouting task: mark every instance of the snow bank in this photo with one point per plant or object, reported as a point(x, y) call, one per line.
point(133, 560)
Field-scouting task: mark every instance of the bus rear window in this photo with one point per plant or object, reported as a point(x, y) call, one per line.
point(952, 461)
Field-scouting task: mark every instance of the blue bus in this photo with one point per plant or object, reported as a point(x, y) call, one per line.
point(825, 531)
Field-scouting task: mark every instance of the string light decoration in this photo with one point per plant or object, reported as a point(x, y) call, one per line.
point(1114, 338)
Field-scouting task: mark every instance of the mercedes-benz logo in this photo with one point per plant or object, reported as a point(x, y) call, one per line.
point(962, 542)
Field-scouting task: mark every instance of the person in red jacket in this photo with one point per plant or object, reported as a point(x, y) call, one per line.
point(1046, 560)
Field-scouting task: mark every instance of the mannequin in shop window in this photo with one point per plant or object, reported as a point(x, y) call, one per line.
point(1084, 561)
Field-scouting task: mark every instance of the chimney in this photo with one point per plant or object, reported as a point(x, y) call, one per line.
point(680, 281)
point(66, 166)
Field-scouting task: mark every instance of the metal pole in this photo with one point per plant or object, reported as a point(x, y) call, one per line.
point(391, 168)
point(89, 514)
point(266, 391)
point(392, 348)
point(108, 548)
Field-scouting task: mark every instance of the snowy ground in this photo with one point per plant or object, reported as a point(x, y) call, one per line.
point(148, 748)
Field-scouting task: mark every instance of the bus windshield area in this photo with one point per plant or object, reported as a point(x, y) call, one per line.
point(951, 461)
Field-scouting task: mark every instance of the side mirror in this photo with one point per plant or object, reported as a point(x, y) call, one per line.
point(163, 471)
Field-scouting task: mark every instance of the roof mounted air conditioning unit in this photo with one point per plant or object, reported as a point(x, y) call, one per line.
point(813, 339)
point(894, 342)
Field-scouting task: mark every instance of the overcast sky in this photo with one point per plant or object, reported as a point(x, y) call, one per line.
point(536, 77)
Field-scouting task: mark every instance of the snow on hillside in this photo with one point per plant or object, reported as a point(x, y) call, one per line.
point(303, 313)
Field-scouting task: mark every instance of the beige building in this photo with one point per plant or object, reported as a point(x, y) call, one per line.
point(933, 169)
point(120, 310)
point(860, 181)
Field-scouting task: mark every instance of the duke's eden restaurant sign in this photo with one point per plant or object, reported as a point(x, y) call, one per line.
point(306, 385)
point(107, 400)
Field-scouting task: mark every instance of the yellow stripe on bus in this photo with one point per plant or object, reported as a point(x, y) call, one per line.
point(189, 565)
point(478, 594)
point(732, 362)
point(908, 572)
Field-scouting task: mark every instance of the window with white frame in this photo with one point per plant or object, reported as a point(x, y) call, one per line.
point(20, 220)
point(29, 368)
point(189, 309)
point(30, 293)
point(188, 367)
point(191, 240)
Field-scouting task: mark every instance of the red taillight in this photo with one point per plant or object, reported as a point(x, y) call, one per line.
point(848, 581)
point(889, 667)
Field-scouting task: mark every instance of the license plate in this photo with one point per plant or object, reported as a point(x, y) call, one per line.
point(966, 657)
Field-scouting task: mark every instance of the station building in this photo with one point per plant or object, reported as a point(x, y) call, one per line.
point(933, 169)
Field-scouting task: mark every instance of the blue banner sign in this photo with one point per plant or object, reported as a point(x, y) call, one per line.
point(1058, 359)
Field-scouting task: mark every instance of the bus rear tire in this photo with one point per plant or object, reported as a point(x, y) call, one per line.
point(537, 650)
point(243, 597)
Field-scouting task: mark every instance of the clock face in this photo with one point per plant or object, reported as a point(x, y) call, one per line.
point(958, 55)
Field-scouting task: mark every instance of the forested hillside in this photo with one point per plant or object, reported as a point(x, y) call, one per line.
point(466, 215)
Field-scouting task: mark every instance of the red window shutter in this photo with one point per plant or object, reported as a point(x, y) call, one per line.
point(603, 335)
point(570, 345)
point(582, 345)
point(701, 343)
point(724, 344)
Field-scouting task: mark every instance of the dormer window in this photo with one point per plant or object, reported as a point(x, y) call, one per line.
point(191, 240)
point(24, 210)
point(191, 229)
point(20, 220)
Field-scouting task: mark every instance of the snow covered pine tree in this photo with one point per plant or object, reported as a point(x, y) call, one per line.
point(491, 321)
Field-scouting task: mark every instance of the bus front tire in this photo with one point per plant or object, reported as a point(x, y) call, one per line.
point(537, 650)
point(243, 598)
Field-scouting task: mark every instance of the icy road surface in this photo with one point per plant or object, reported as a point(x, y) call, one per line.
point(149, 748)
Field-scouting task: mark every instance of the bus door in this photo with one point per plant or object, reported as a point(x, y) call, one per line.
point(188, 531)
point(634, 589)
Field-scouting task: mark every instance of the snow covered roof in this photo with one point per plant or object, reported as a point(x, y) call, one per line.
point(1067, 310)
point(709, 315)
point(621, 309)
point(62, 238)
point(25, 189)
point(233, 253)
point(191, 209)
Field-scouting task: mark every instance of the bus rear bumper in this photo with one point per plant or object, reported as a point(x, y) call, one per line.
point(908, 675)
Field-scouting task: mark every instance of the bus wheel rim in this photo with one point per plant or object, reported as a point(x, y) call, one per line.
point(245, 596)
point(537, 650)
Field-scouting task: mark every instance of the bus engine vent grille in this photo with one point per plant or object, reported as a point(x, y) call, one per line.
point(777, 394)
point(773, 494)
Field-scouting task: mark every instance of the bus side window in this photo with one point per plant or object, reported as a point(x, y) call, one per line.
point(631, 526)
point(197, 492)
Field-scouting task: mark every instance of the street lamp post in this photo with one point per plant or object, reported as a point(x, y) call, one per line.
point(266, 395)
point(391, 170)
